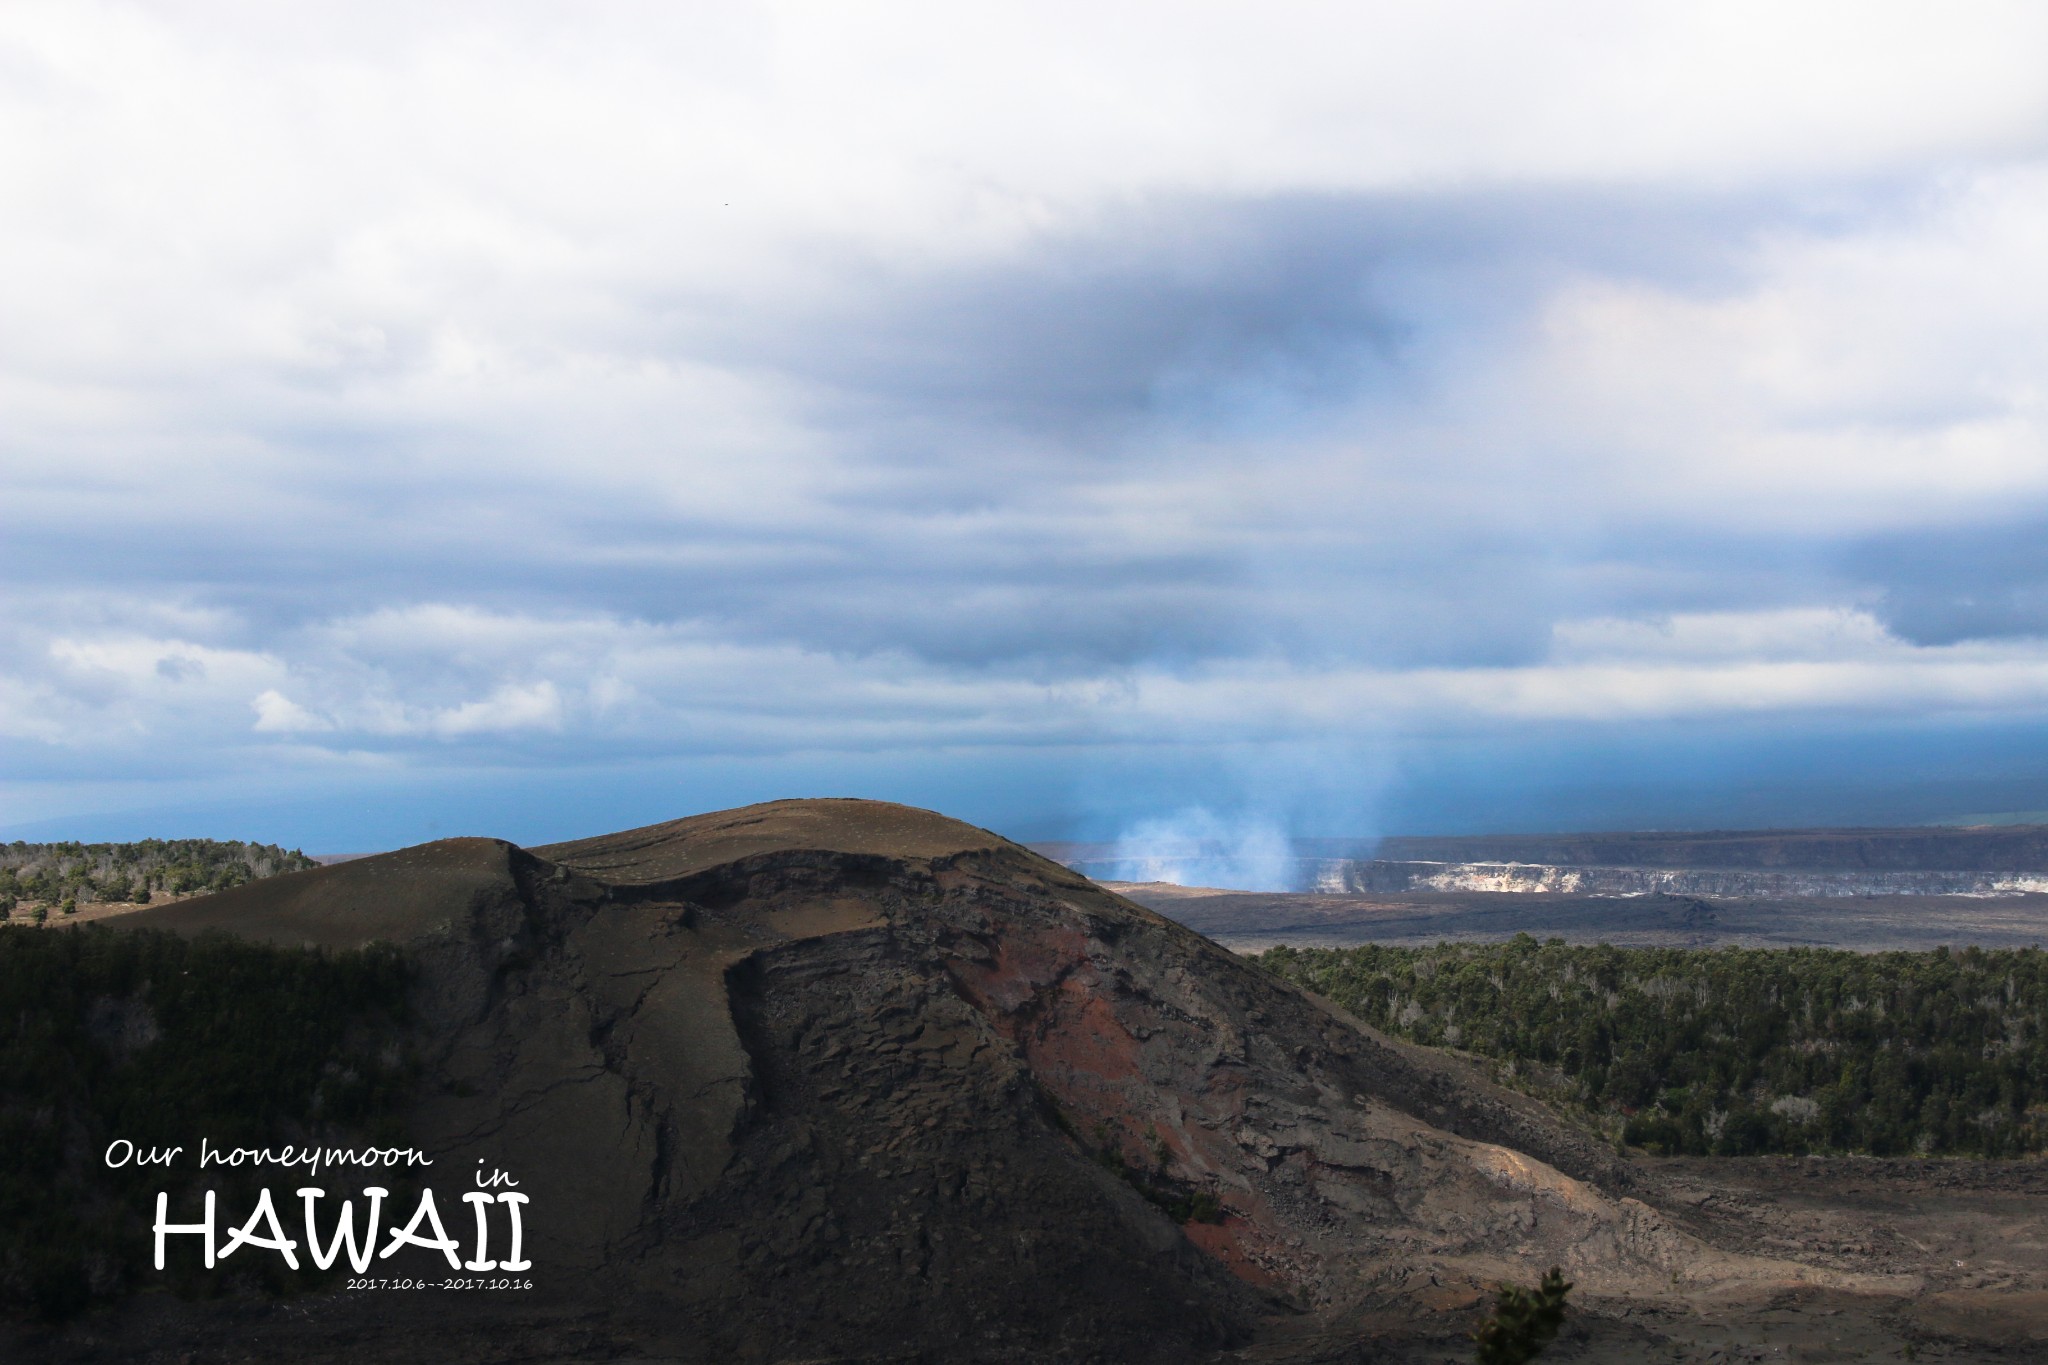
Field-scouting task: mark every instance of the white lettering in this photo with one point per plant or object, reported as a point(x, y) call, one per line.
point(344, 1230)
point(277, 1241)
point(483, 1232)
point(205, 1229)
point(440, 1241)
point(513, 1262)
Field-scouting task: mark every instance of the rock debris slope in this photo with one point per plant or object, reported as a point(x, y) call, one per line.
point(847, 1080)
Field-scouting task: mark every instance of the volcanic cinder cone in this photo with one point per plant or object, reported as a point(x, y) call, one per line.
point(846, 1080)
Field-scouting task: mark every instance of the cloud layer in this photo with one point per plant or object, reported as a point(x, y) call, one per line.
point(499, 389)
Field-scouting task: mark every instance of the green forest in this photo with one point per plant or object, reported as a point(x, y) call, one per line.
point(1732, 1051)
point(159, 1040)
point(38, 880)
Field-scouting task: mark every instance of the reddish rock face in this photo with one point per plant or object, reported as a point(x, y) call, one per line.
point(1108, 1059)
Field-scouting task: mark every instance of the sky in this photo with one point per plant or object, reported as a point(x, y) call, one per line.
point(532, 419)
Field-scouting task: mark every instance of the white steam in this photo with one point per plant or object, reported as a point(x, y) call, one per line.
point(1197, 847)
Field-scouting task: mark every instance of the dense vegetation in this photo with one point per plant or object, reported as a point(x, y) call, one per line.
point(1732, 1051)
point(57, 878)
point(163, 1040)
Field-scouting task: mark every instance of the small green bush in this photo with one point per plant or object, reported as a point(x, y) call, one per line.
point(1523, 1321)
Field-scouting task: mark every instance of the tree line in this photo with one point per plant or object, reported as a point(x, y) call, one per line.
point(1730, 1051)
point(159, 1040)
point(37, 880)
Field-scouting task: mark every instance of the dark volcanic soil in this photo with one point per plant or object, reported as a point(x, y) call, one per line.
point(1251, 921)
point(844, 1081)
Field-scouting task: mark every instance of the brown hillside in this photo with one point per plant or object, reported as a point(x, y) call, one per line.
point(851, 1081)
point(665, 851)
point(399, 897)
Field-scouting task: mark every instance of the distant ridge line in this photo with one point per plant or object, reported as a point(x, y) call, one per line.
point(1964, 849)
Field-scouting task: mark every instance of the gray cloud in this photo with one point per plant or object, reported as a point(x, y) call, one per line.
point(670, 422)
point(1988, 582)
point(1179, 309)
point(969, 411)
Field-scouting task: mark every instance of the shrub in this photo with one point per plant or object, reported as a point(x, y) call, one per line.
point(1523, 1321)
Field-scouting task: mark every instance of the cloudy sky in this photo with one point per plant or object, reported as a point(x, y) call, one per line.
point(533, 418)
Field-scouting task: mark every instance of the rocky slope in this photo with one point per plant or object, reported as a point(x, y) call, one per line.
point(844, 1080)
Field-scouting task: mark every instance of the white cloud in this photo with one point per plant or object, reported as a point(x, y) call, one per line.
point(1864, 377)
point(605, 686)
point(1791, 634)
point(536, 706)
point(279, 714)
point(549, 386)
